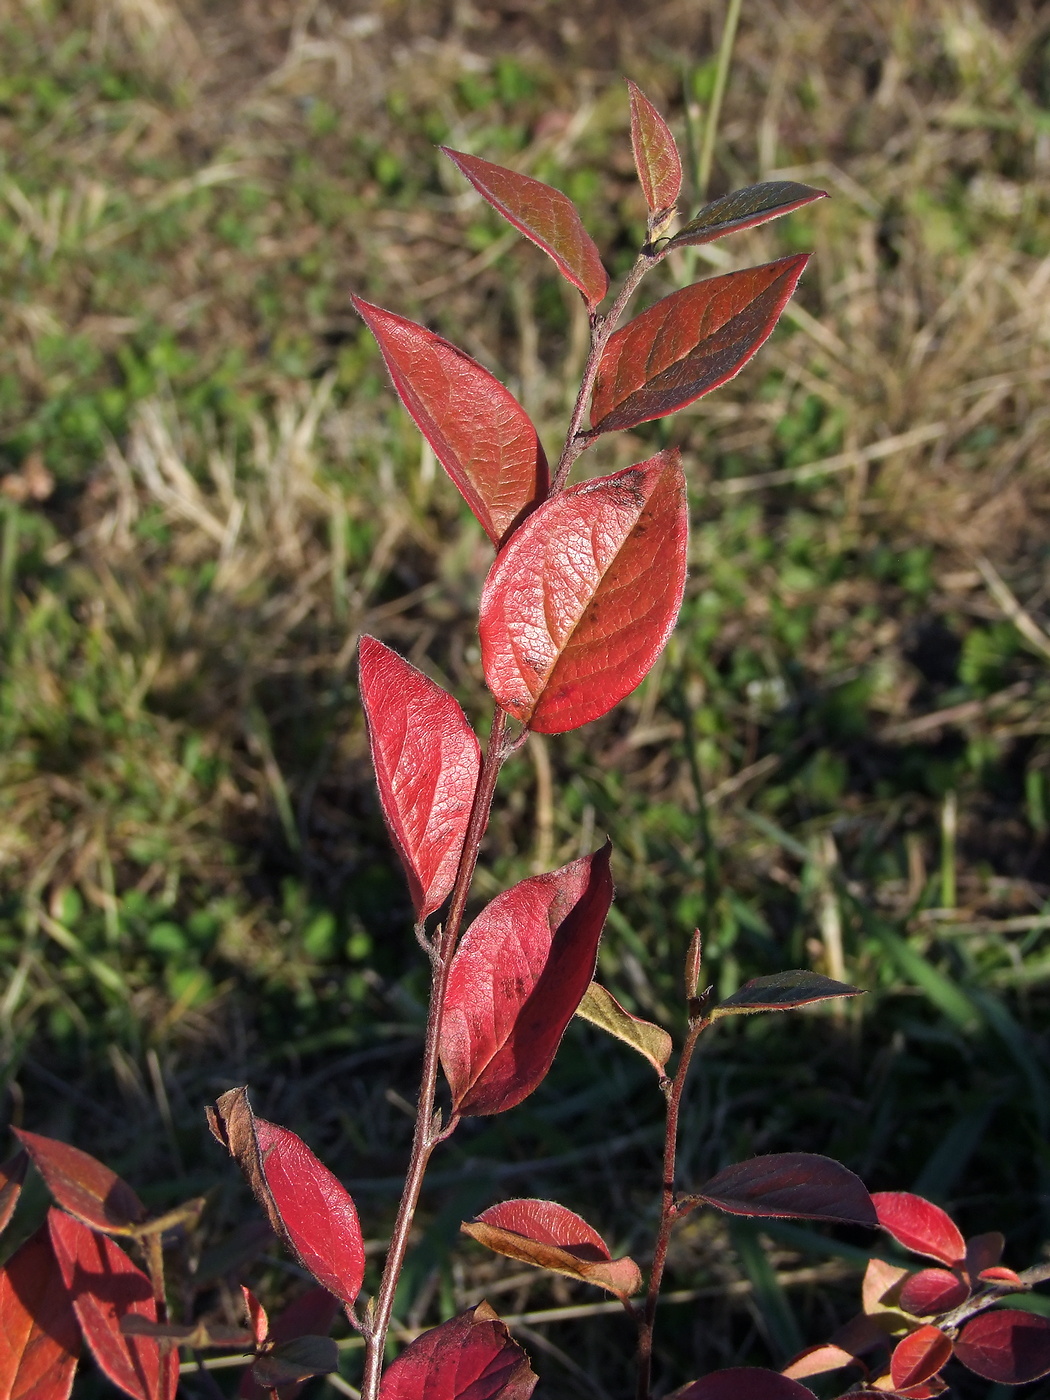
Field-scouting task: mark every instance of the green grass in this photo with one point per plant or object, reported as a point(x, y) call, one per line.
point(209, 492)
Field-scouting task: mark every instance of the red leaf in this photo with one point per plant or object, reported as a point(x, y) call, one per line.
point(932, 1291)
point(83, 1186)
point(919, 1356)
point(105, 1286)
point(1006, 1345)
point(1001, 1275)
point(12, 1174)
point(689, 343)
point(743, 1383)
point(782, 991)
point(39, 1336)
point(257, 1319)
point(745, 209)
point(656, 156)
point(470, 1357)
point(552, 1237)
point(543, 214)
point(516, 979)
point(582, 600)
point(311, 1314)
point(426, 759)
point(316, 1210)
point(792, 1185)
point(920, 1226)
point(479, 432)
point(983, 1252)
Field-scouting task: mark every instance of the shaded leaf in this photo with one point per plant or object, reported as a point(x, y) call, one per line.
point(689, 343)
point(656, 155)
point(232, 1124)
point(83, 1186)
point(316, 1210)
point(296, 1360)
point(311, 1314)
point(746, 208)
point(470, 1357)
point(479, 432)
point(602, 1009)
point(517, 977)
point(582, 600)
point(856, 1338)
point(106, 1287)
point(932, 1291)
point(426, 759)
point(919, 1356)
point(12, 1174)
point(1006, 1345)
point(743, 1383)
point(920, 1226)
point(39, 1336)
point(983, 1252)
point(551, 1237)
point(781, 992)
point(792, 1185)
point(543, 214)
point(882, 1284)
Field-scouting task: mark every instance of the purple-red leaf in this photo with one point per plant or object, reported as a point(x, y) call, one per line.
point(318, 1214)
point(1006, 1345)
point(105, 1286)
point(543, 214)
point(426, 760)
point(932, 1291)
point(296, 1361)
point(470, 1357)
point(983, 1252)
point(919, 1356)
point(656, 156)
point(689, 343)
point(83, 1186)
point(790, 1185)
point(39, 1336)
point(920, 1226)
point(582, 600)
point(781, 992)
point(311, 1314)
point(745, 208)
point(12, 1174)
point(743, 1383)
point(480, 434)
point(516, 979)
point(552, 1237)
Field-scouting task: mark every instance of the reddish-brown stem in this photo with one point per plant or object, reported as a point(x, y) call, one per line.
point(428, 1130)
point(647, 1319)
point(602, 328)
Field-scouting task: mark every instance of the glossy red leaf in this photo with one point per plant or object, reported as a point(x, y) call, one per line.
point(689, 343)
point(543, 214)
point(790, 1185)
point(470, 1357)
point(550, 1236)
point(917, 1357)
point(656, 155)
point(83, 1186)
point(1006, 1345)
point(480, 434)
point(743, 1383)
point(746, 208)
point(983, 1252)
point(932, 1291)
point(582, 600)
point(319, 1217)
point(516, 979)
point(311, 1314)
point(12, 1174)
point(39, 1336)
point(782, 991)
point(920, 1226)
point(426, 760)
point(998, 1274)
point(105, 1286)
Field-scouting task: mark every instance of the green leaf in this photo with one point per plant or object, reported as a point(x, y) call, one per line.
point(602, 1009)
